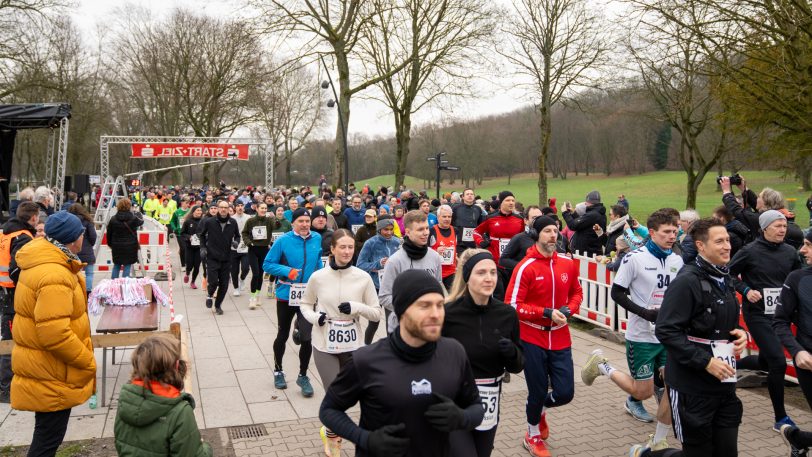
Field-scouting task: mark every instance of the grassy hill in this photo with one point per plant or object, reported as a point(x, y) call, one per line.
point(645, 192)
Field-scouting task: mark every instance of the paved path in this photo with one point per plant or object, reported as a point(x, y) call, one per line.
point(232, 364)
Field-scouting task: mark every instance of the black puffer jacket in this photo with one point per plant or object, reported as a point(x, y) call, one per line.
point(585, 241)
point(122, 237)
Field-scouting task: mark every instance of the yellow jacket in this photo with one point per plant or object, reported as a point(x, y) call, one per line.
point(53, 363)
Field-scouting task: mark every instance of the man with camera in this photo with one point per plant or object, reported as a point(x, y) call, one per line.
point(753, 205)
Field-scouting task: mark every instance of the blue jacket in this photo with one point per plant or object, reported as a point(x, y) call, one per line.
point(376, 248)
point(292, 251)
point(355, 217)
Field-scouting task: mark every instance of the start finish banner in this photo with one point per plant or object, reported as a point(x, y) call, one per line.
point(198, 150)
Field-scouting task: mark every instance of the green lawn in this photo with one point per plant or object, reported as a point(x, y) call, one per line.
point(645, 193)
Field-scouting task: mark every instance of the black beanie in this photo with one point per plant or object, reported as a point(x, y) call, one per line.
point(808, 236)
point(318, 211)
point(409, 286)
point(299, 212)
point(541, 222)
point(505, 194)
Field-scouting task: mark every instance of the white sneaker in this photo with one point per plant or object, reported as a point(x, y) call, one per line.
point(242, 285)
point(236, 292)
point(252, 303)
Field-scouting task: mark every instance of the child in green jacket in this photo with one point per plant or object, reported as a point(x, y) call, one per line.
point(154, 416)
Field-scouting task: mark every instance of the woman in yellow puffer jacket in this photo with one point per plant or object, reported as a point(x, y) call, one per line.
point(53, 363)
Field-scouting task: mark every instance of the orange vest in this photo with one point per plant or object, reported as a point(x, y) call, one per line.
point(449, 256)
point(5, 257)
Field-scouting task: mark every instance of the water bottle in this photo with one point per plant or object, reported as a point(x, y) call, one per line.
point(92, 402)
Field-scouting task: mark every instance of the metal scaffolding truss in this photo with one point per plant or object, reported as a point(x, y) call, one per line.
point(61, 160)
point(106, 140)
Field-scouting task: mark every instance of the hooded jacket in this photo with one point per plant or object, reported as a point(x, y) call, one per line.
point(289, 252)
point(375, 249)
point(540, 283)
point(585, 241)
point(122, 237)
point(160, 422)
point(53, 362)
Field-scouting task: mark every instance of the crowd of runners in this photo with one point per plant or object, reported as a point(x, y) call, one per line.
point(471, 290)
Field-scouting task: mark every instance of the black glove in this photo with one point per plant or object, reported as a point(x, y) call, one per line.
point(506, 348)
point(486, 242)
point(322, 319)
point(234, 244)
point(445, 416)
point(565, 310)
point(345, 307)
point(649, 314)
point(387, 441)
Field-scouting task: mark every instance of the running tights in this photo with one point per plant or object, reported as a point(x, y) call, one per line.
point(193, 261)
point(256, 256)
point(770, 358)
point(284, 315)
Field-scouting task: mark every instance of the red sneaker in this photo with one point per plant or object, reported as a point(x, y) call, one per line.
point(192, 286)
point(535, 445)
point(544, 429)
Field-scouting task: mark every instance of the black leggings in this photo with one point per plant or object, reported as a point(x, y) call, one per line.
point(49, 431)
point(805, 380)
point(472, 444)
point(369, 333)
point(256, 257)
point(284, 315)
point(239, 261)
point(193, 261)
point(770, 358)
point(723, 445)
point(181, 251)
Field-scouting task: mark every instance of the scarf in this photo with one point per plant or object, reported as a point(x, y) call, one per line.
point(718, 272)
point(414, 251)
point(617, 224)
point(335, 266)
point(408, 353)
point(222, 220)
point(656, 251)
point(63, 248)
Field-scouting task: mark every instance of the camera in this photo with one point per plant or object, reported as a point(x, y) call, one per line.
point(735, 180)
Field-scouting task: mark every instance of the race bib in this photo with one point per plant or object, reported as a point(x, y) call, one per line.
point(467, 234)
point(355, 228)
point(490, 401)
point(651, 325)
point(325, 261)
point(503, 242)
point(259, 232)
point(447, 257)
point(296, 294)
point(771, 296)
point(275, 236)
point(342, 336)
point(194, 240)
point(242, 248)
point(164, 216)
point(724, 352)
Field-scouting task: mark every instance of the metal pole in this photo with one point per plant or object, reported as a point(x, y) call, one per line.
point(439, 158)
point(343, 130)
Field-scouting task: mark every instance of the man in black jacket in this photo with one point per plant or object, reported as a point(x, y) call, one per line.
point(585, 241)
point(18, 231)
point(764, 265)
point(415, 387)
point(697, 324)
point(465, 218)
point(217, 236)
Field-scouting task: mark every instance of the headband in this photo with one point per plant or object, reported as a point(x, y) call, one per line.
point(471, 263)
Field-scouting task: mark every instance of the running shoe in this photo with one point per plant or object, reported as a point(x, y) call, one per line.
point(637, 450)
point(5, 395)
point(535, 445)
point(785, 421)
point(242, 284)
point(590, 371)
point(637, 410)
point(279, 380)
point(297, 338)
point(192, 286)
point(236, 292)
point(218, 311)
point(209, 302)
point(544, 429)
point(788, 435)
point(185, 279)
point(252, 303)
point(304, 382)
point(332, 444)
point(658, 446)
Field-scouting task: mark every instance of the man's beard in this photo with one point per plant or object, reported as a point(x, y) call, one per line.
point(413, 328)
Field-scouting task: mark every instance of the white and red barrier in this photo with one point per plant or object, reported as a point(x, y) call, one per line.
point(154, 243)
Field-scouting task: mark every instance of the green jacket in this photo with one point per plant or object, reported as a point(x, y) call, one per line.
point(269, 222)
point(177, 220)
point(150, 425)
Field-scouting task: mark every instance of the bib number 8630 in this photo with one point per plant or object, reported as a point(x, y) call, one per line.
point(342, 336)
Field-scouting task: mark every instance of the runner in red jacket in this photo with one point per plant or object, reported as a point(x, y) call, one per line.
point(495, 233)
point(545, 291)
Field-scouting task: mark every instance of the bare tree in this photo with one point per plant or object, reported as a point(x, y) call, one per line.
point(559, 45)
point(440, 40)
point(331, 27)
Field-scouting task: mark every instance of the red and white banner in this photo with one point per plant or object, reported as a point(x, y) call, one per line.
point(198, 150)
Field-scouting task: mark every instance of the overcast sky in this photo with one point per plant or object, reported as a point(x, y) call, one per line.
point(369, 117)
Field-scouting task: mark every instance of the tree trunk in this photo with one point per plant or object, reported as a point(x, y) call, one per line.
point(403, 138)
point(545, 131)
point(287, 170)
point(805, 174)
point(344, 106)
point(692, 185)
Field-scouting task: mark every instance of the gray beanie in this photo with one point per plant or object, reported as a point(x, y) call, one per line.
point(383, 223)
point(768, 217)
point(593, 197)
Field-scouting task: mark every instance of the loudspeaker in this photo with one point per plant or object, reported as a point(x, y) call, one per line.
point(81, 184)
point(68, 183)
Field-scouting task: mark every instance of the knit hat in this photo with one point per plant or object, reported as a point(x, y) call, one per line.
point(318, 211)
point(808, 236)
point(409, 286)
point(593, 197)
point(383, 223)
point(299, 212)
point(505, 194)
point(768, 217)
point(64, 227)
point(541, 222)
point(370, 212)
